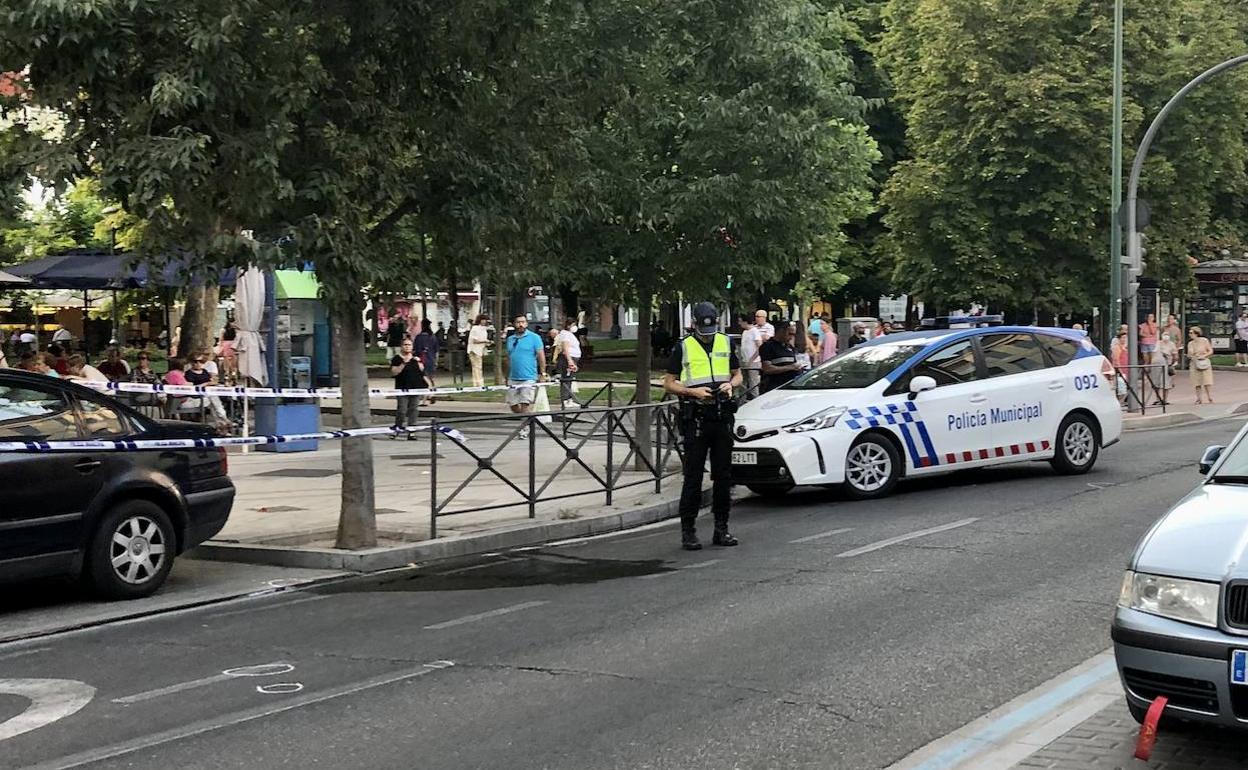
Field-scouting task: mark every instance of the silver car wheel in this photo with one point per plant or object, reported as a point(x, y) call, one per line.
point(868, 467)
point(1078, 443)
point(138, 550)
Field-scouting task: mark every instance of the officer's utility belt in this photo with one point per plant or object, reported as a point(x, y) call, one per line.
point(722, 408)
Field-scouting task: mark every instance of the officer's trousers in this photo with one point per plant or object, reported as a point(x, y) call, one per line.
point(706, 438)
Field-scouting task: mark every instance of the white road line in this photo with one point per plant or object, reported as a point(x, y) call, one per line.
point(822, 535)
point(139, 697)
point(484, 615)
point(262, 608)
point(678, 570)
point(903, 538)
point(237, 718)
point(24, 653)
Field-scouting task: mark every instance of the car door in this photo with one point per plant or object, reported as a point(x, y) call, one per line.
point(951, 421)
point(1025, 394)
point(43, 495)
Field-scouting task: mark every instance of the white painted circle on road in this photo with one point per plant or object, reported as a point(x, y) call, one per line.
point(263, 669)
point(50, 700)
point(280, 688)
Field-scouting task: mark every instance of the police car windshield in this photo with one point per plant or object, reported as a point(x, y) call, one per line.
point(856, 369)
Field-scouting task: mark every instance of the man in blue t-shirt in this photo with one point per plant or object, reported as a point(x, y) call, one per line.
point(526, 358)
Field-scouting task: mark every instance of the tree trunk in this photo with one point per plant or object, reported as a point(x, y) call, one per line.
point(199, 319)
point(357, 522)
point(642, 420)
point(452, 334)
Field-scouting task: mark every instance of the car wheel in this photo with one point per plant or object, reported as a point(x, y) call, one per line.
point(1077, 446)
point(768, 491)
point(872, 468)
point(131, 552)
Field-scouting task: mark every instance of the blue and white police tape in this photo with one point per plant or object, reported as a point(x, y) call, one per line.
point(224, 391)
point(139, 445)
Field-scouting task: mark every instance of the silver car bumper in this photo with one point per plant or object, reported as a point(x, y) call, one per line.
point(1190, 665)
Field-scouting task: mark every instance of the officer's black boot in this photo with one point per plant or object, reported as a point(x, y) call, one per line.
point(722, 536)
point(689, 540)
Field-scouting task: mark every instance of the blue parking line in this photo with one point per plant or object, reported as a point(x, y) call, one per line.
point(991, 733)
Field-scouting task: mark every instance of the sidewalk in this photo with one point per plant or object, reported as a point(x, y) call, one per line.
point(287, 508)
point(1230, 394)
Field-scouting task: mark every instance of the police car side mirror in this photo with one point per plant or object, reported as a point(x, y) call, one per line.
point(920, 384)
point(1208, 458)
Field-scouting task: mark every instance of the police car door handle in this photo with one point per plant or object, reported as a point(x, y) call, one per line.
point(1056, 385)
point(978, 398)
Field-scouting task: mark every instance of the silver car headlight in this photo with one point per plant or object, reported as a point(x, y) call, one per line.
point(1191, 601)
point(825, 418)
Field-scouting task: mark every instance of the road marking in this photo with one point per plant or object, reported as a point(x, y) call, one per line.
point(1011, 733)
point(229, 720)
point(822, 535)
point(678, 570)
point(484, 615)
point(280, 688)
point(264, 607)
point(903, 538)
point(263, 669)
point(50, 700)
point(24, 653)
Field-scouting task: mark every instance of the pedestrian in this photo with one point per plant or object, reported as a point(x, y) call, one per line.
point(760, 320)
point(748, 353)
point(814, 330)
point(175, 373)
point(1076, 327)
point(409, 374)
point(425, 346)
point(858, 337)
point(1148, 339)
point(79, 369)
point(827, 342)
point(478, 344)
point(143, 373)
point(228, 353)
point(1164, 361)
point(567, 361)
point(26, 341)
point(779, 357)
point(63, 337)
point(526, 362)
point(702, 371)
point(1199, 351)
point(396, 332)
point(58, 360)
point(114, 366)
point(204, 371)
point(1241, 339)
point(39, 363)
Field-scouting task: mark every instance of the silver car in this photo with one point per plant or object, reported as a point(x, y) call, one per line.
point(1181, 627)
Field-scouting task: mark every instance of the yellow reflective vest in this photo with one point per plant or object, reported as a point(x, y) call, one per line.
point(700, 368)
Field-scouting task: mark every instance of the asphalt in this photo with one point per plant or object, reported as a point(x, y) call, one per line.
point(841, 650)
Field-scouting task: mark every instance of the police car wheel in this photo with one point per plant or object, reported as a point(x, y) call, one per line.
point(872, 468)
point(763, 490)
point(1077, 445)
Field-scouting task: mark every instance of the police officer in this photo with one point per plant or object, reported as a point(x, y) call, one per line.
point(702, 371)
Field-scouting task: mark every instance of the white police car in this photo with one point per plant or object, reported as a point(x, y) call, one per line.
point(931, 401)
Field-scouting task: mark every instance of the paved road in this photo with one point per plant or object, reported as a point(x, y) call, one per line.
point(825, 641)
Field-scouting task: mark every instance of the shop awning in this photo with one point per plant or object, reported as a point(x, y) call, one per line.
point(94, 270)
point(296, 284)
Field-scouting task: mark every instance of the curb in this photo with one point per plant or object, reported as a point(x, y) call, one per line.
point(390, 557)
point(1161, 420)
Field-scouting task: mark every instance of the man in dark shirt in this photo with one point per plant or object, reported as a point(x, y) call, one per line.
point(779, 357)
point(858, 337)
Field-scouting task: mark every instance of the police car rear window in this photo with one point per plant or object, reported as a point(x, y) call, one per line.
point(858, 368)
point(1061, 349)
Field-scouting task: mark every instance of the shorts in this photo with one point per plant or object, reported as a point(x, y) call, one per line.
point(1241, 346)
point(1146, 347)
point(522, 392)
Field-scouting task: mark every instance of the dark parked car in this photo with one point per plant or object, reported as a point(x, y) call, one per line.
point(116, 520)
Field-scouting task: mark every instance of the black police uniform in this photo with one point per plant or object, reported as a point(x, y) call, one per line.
point(706, 430)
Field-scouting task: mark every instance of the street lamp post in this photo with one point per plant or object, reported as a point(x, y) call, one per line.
point(1134, 258)
point(1115, 203)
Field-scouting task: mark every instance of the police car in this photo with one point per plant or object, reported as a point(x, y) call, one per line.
point(932, 401)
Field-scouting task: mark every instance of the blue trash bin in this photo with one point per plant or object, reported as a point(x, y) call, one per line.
point(283, 417)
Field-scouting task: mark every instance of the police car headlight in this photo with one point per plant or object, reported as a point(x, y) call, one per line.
point(1191, 601)
point(817, 421)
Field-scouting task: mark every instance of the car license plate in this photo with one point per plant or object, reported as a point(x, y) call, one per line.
point(745, 458)
point(1239, 667)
